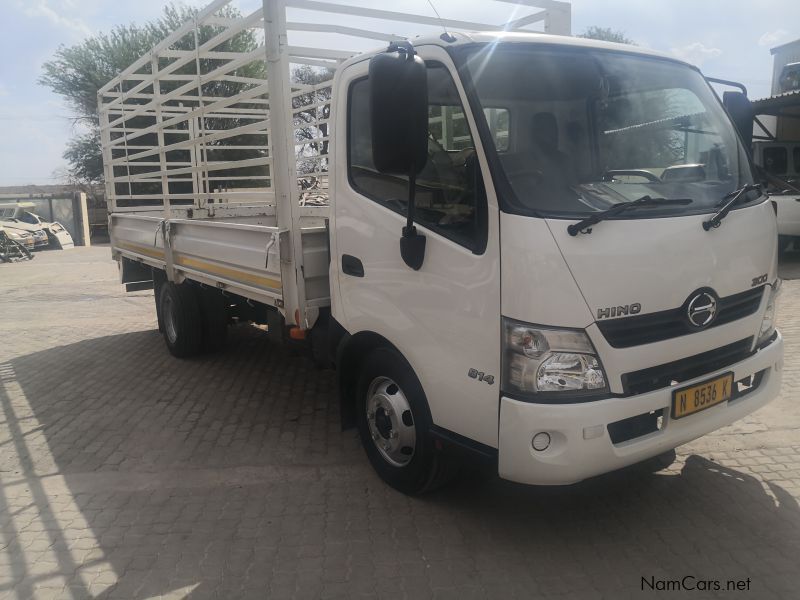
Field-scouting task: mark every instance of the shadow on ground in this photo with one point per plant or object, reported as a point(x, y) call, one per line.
point(129, 474)
point(789, 263)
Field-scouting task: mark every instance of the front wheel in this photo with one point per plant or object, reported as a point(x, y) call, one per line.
point(394, 423)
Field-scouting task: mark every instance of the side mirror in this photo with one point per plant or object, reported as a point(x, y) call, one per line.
point(399, 108)
point(399, 119)
point(741, 111)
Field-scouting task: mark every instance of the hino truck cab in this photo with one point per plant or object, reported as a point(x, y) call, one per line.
point(554, 254)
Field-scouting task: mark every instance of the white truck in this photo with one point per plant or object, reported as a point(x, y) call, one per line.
point(776, 141)
point(781, 162)
point(541, 252)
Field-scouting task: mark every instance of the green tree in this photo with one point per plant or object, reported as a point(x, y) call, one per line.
point(652, 146)
point(78, 72)
point(606, 34)
point(312, 149)
point(85, 160)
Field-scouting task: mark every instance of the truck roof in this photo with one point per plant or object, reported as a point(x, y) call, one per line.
point(464, 38)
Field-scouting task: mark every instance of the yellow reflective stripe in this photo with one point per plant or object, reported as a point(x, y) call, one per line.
point(228, 273)
point(151, 252)
point(201, 265)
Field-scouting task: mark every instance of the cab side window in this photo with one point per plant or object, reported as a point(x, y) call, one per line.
point(450, 197)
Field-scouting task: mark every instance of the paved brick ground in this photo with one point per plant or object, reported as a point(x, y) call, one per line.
point(127, 474)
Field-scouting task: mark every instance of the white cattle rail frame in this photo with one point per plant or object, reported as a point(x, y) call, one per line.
point(202, 128)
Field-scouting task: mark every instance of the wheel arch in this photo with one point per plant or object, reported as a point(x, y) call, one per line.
point(351, 351)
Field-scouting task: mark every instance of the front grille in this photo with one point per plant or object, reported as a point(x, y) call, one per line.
point(667, 324)
point(661, 376)
point(636, 426)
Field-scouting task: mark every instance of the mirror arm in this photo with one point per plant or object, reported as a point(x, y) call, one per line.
point(412, 202)
point(412, 244)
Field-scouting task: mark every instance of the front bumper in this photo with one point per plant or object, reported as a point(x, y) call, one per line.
point(571, 457)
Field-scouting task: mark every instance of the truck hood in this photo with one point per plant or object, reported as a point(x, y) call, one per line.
point(658, 263)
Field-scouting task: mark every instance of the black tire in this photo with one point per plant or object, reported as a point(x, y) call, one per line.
point(158, 285)
point(214, 310)
point(427, 468)
point(785, 243)
point(183, 324)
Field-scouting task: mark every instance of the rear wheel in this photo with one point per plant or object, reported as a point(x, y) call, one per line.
point(394, 421)
point(182, 322)
point(158, 285)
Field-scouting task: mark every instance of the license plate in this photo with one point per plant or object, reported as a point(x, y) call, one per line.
point(690, 400)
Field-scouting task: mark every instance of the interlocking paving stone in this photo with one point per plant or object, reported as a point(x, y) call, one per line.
point(128, 474)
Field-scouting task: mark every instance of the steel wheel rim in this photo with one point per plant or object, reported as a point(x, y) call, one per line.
point(391, 422)
point(170, 325)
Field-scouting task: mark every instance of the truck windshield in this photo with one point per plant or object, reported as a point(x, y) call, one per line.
point(591, 128)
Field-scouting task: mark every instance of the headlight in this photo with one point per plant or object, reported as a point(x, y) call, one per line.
point(768, 322)
point(538, 359)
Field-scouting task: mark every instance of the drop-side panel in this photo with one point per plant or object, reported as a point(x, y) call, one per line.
point(242, 259)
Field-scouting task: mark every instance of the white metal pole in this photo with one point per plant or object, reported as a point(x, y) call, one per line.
point(282, 152)
point(559, 19)
point(105, 145)
point(201, 128)
point(162, 155)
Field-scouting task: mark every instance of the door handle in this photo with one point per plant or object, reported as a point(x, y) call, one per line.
point(352, 266)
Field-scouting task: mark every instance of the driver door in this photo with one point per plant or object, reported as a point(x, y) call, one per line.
point(444, 318)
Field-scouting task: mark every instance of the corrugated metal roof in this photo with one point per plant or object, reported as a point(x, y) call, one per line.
point(778, 101)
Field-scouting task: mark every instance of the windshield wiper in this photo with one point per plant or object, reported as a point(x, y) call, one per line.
point(726, 205)
point(643, 202)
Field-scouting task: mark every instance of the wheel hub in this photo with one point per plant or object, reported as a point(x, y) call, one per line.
point(383, 423)
point(390, 421)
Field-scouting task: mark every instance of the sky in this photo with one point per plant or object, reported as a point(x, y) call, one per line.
point(729, 39)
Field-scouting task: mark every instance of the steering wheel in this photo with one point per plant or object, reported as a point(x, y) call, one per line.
point(651, 177)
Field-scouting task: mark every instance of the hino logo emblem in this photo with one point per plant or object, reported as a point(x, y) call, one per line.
point(702, 309)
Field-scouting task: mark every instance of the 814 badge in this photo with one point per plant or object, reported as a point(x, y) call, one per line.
point(481, 376)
